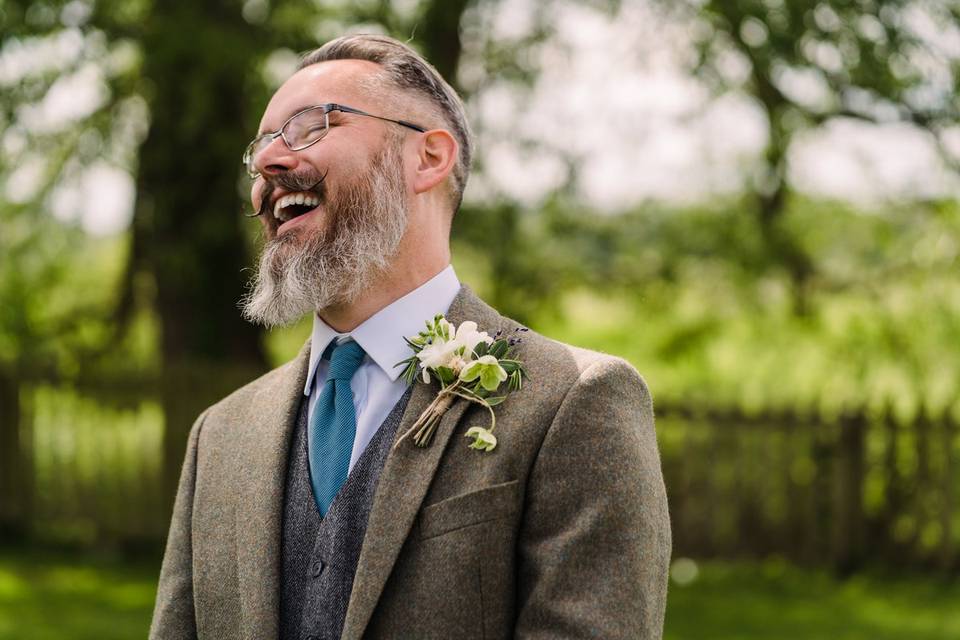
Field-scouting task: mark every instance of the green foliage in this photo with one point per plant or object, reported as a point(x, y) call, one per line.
point(693, 301)
point(856, 55)
point(58, 286)
point(806, 63)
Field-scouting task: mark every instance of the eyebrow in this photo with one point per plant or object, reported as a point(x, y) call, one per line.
point(293, 113)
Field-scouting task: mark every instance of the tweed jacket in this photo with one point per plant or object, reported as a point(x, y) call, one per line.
point(562, 531)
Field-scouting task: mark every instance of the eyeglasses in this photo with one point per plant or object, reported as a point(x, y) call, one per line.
point(304, 129)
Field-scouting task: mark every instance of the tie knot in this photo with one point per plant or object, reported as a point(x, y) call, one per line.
point(345, 360)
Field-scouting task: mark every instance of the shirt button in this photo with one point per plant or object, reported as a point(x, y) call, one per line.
point(317, 570)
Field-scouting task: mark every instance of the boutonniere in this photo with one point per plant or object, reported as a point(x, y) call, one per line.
point(468, 364)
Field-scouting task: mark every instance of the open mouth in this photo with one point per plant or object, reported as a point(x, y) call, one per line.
point(293, 205)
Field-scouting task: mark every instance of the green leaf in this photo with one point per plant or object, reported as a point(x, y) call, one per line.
point(406, 361)
point(416, 343)
point(515, 381)
point(445, 374)
point(495, 400)
point(499, 349)
point(410, 373)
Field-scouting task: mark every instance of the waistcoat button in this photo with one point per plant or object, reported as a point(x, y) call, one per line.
point(317, 568)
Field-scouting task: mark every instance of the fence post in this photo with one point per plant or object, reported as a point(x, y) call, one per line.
point(946, 486)
point(848, 517)
point(15, 465)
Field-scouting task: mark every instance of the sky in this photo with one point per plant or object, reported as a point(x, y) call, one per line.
point(614, 94)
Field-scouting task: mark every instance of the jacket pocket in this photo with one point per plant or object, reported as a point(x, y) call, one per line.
point(490, 503)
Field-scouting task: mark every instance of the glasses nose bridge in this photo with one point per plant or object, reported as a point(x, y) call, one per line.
point(277, 134)
point(270, 139)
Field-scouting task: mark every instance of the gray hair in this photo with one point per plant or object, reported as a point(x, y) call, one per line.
point(407, 70)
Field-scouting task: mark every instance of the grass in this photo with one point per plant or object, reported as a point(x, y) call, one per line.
point(56, 595)
point(773, 601)
point(60, 596)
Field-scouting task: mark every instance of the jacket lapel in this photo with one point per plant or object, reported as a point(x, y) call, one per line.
point(404, 481)
point(265, 445)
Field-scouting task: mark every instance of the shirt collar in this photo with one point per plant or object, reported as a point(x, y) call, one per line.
point(382, 334)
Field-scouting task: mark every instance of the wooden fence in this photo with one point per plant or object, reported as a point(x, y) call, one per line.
point(831, 493)
point(840, 493)
point(96, 471)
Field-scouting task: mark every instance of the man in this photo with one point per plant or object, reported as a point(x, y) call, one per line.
point(303, 511)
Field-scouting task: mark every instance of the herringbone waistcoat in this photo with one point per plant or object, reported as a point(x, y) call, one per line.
point(320, 554)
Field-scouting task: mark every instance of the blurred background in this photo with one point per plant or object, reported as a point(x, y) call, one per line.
point(753, 201)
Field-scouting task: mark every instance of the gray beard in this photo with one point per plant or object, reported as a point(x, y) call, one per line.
point(304, 271)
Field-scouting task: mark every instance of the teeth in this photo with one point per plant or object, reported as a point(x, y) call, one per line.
point(307, 199)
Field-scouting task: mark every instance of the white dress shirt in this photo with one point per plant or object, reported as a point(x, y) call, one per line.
point(377, 385)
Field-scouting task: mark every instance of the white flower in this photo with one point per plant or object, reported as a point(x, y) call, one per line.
point(438, 354)
point(469, 337)
point(443, 352)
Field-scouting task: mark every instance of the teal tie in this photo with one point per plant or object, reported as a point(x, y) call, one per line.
point(333, 426)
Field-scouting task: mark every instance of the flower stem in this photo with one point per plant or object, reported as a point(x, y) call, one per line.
point(479, 400)
point(428, 421)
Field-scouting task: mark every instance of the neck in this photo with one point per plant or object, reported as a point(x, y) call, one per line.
point(388, 288)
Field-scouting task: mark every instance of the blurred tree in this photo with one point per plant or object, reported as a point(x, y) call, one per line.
point(187, 239)
point(46, 324)
point(807, 62)
point(187, 232)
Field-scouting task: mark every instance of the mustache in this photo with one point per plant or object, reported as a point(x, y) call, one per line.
point(309, 181)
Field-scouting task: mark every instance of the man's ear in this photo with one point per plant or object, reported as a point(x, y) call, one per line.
point(436, 156)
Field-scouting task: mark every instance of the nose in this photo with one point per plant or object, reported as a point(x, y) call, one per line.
point(275, 158)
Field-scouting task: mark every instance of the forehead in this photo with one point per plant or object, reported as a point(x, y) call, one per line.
point(333, 81)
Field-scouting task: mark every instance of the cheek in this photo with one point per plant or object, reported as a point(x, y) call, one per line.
point(255, 190)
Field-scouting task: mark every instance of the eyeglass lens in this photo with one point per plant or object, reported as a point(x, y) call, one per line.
point(299, 132)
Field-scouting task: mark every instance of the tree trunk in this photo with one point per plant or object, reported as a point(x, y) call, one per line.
point(188, 231)
point(440, 35)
